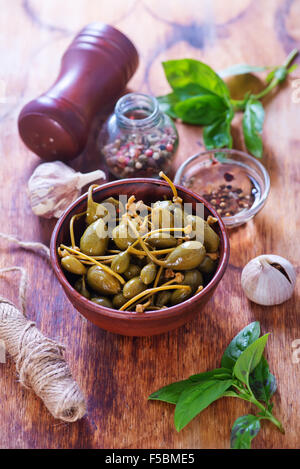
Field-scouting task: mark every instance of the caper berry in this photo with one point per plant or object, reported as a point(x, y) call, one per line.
point(81, 288)
point(203, 230)
point(94, 240)
point(148, 273)
point(163, 298)
point(162, 217)
point(132, 271)
point(180, 217)
point(122, 236)
point(207, 266)
point(119, 300)
point(73, 265)
point(162, 240)
point(133, 287)
point(120, 263)
point(102, 301)
point(193, 278)
point(102, 282)
point(179, 295)
point(186, 256)
point(94, 211)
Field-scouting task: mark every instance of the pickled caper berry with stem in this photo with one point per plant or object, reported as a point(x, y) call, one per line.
point(186, 256)
point(94, 240)
point(207, 266)
point(120, 263)
point(123, 236)
point(117, 204)
point(73, 265)
point(80, 286)
point(179, 295)
point(133, 287)
point(201, 229)
point(162, 240)
point(102, 282)
point(162, 217)
point(102, 301)
point(180, 217)
point(193, 278)
point(132, 271)
point(94, 210)
point(119, 300)
point(163, 298)
point(148, 273)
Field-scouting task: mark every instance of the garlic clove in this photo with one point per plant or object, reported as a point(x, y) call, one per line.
point(54, 186)
point(268, 280)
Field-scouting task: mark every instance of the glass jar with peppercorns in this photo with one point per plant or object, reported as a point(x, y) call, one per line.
point(138, 140)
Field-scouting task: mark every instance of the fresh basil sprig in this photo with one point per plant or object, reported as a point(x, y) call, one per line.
point(200, 97)
point(244, 374)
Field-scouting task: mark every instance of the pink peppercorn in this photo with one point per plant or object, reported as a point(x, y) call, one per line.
point(169, 147)
point(149, 152)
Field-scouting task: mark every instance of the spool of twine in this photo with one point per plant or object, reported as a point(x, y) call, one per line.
point(39, 360)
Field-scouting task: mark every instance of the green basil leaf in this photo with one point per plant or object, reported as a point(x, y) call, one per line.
point(240, 342)
point(171, 392)
point(230, 393)
point(218, 373)
point(240, 69)
point(200, 77)
point(167, 103)
point(200, 110)
point(249, 359)
point(218, 134)
point(244, 429)
point(262, 382)
point(252, 127)
point(196, 398)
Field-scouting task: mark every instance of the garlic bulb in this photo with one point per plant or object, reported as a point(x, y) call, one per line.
point(54, 186)
point(268, 280)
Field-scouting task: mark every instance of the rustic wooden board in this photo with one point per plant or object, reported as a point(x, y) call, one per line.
point(118, 373)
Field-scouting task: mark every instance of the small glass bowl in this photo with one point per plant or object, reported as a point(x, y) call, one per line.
point(210, 173)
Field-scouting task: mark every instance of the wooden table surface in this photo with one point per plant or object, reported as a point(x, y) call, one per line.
point(118, 373)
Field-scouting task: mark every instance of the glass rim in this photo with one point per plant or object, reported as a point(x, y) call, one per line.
point(245, 215)
point(131, 123)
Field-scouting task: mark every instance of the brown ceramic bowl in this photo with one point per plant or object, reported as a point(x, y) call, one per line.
point(128, 322)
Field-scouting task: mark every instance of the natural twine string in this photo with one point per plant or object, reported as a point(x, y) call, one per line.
point(39, 360)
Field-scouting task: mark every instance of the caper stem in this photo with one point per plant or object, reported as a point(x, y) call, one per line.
point(90, 193)
point(103, 266)
point(152, 290)
point(164, 230)
point(143, 245)
point(107, 261)
point(155, 252)
point(156, 280)
point(172, 186)
point(72, 237)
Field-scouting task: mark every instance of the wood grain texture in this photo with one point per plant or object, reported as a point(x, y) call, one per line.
point(118, 373)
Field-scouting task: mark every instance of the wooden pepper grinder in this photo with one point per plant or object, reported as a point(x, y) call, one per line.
point(94, 70)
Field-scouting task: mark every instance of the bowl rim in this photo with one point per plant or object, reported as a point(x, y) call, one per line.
point(244, 216)
point(110, 313)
